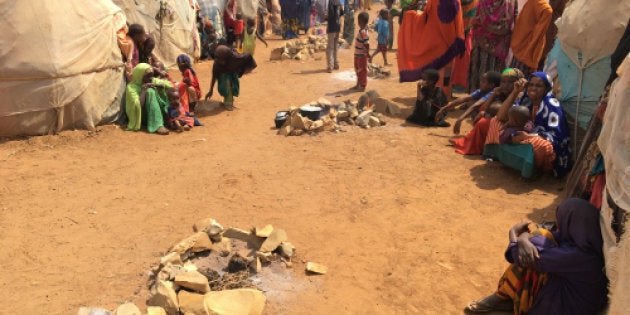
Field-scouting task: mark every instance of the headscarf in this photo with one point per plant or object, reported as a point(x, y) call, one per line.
point(184, 61)
point(551, 124)
point(227, 60)
point(578, 222)
point(492, 26)
point(513, 72)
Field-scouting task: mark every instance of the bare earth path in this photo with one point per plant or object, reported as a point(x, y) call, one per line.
point(404, 224)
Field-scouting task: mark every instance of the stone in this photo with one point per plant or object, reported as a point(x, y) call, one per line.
point(155, 310)
point(264, 231)
point(203, 225)
point(224, 246)
point(256, 265)
point(163, 295)
point(172, 258)
point(285, 56)
point(343, 114)
point(191, 303)
point(127, 309)
point(245, 236)
point(286, 249)
point(374, 122)
point(316, 268)
point(276, 54)
point(297, 121)
point(317, 124)
point(93, 311)
point(264, 256)
point(169, 272)
point(382, 105)
point(364, 118)
point(235, 302)
point(296, 132)
point(193, 280)
point(197, 242)
point(273, 241)
point(323, 102)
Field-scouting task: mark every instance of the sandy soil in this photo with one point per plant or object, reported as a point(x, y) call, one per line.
point(404, 224)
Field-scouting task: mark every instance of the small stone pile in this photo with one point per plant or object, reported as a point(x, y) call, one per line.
point(378, 71)
point(301, 49)
point(366, 113)
point(208, 272)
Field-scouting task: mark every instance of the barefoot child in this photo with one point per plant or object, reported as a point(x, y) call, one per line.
point(392, 12)
point(177, 119)
point(382, 28)
point(249, 37)
point(429, 100)
point(362, 51)
point(189, 92)
point(228, 67)
point(476, 99)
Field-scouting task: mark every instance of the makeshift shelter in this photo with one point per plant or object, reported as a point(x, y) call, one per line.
point(213, 11)
point(296, 16)
point(172, 23)
point(588, 32)
point(60, 65)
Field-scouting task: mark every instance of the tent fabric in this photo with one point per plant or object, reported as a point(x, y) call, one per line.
point(213, 11)
point(172, 23)
point(47, 82)
point(614, 139)
point(592, 27)
point(593, 80)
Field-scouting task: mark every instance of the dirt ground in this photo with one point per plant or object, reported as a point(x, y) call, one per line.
point(404, 224)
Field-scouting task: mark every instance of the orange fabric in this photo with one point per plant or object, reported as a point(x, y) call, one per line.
point(425, 41)
point(472, 143)
point(543, 153)
point(530, 31)
point(494, 129)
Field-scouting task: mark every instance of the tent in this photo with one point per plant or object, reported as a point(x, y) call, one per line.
point(588, 33)
point(172, 23)
point(60, 65)
point(213, 11)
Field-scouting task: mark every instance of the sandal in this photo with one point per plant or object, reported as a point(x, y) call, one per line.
point(485, 305)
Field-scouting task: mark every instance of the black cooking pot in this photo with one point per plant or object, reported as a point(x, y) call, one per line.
point(281, 118)
point(311, 112)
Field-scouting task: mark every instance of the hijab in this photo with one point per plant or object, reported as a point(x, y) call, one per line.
point(227, 61)
point(578, 222)
point(184, 61)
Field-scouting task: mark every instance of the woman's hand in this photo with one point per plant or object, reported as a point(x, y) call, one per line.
point(527, 252)
point(519, 86)
point(209, 95)
point(148, 85)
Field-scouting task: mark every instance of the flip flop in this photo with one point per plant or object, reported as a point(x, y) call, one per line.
point(481, 306)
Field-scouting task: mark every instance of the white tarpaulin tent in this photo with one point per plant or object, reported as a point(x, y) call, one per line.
point(172, 23)
point(60, 65)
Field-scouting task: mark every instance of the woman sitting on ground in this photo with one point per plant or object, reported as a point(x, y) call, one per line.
point(550, 135)
point(143, 45)
point(146, 100)
point(559, 272)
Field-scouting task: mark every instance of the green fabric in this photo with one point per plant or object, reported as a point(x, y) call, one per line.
point(517, 156)
point(156, 101)
point(228, 84)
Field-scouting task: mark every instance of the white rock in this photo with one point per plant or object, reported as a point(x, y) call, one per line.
point(235, 302)
point(193, 280)
point(93, 311)
point(264, 231)
point(273, 241)
point(155, 310)
point(316, 268)
point(192, 303)
point(127, 309)
point(163, 295)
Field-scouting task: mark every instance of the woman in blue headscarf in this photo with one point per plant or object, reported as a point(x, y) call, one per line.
point(550, 135)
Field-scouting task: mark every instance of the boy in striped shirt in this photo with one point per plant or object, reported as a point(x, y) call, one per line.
point(362, 51)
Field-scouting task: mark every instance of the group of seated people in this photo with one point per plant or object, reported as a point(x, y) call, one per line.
point(516, 120)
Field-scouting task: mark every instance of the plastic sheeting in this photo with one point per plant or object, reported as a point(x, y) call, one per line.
point(172, 23)
point(60, 65)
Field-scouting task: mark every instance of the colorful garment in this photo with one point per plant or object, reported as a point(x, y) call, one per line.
point(228, 87)
point(249, 42)
point(462, 62)
point(473, 142)
point(156, 101)
point(551, 124)
point(491, 29)
point(569, 276)
point(360, 68)
point(431, 39)
point(179, 115)
point(382, 29)
point(361, 42)
point(185, 96)
point(530, 30)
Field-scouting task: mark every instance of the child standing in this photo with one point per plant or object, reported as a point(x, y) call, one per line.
point(382, 29)
point(429, 100)
point(249, 37)
point(332, 30)
point(392, 12)
point(362, 51)
point(238, 31)
point(189, 92)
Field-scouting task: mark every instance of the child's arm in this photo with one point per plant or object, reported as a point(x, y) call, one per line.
point(214, 80)
point(452, 104)
point(473, 107)
point(261, 38)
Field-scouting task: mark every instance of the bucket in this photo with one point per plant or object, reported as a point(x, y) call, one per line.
point(281, 118)
point(311, 112)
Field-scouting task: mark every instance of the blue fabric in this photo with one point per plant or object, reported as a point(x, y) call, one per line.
point(516, 156)
point(382, 29)
point(593, 83)
point(551, 124)
point(478, 94)
point(297, 9)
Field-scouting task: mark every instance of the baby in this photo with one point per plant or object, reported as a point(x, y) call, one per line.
point(519, 120)
point(177, 118)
